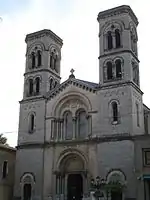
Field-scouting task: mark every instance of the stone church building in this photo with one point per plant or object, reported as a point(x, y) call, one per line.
point(74, 131)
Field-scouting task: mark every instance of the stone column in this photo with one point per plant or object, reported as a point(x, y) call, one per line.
point(89, 125)
point(65, 188)
point(114, 70)
point(61, 129)
point(113, 40)
point(85, 180)
point(52, 129)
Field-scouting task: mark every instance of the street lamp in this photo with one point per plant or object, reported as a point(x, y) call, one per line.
point(98, 186)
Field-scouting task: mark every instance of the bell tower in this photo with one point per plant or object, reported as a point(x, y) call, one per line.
point(118, 59)
point(119, 71)
point(43, 56)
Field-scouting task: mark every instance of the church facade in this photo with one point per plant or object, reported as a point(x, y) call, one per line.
point(72, 132)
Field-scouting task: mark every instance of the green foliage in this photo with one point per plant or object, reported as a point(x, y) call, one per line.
point(114, 186)
point(3, 140)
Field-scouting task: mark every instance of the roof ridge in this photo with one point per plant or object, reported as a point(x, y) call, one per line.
point(83, 84)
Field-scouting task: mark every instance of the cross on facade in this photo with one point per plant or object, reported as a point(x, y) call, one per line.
point(72, 75)
point(72, 71)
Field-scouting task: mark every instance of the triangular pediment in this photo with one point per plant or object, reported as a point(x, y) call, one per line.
point(85, 85)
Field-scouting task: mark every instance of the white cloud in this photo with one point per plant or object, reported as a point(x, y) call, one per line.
point(74, 21)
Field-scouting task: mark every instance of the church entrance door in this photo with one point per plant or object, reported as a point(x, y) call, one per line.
point(75, 187)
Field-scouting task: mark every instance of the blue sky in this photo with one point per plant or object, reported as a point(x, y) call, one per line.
point(11, 6)
point(75, 21)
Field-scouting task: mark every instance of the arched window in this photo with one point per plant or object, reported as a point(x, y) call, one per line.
point(117, 38)
point(55, 84)
point(33, 59)
point(109, 70)
point(27, 183)
point(37, 84)
point(68, 122)
point(137, 115)
point(27, 189)
point(39, 58)
point(5, 169)
point(116, 178)
point(51, 83)
point(82, 123)
point(115, 111)
point(109, 40)
point(118, 69)
point(135, 71)
point(30, 87)
point(31, 123)
point(52, 60)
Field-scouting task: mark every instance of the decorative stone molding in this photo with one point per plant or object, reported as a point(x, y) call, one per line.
point(118, 11)
point(68, 82)
point(39, 34)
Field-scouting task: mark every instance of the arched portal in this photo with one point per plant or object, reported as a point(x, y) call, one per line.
point(71, 177)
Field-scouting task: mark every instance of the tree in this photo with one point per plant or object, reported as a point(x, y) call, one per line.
point(3, 140)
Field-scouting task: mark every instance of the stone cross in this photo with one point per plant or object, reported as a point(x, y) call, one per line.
point(72, 71)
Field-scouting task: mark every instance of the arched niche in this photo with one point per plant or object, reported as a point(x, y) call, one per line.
point(71, 160)
point(72, 102)
point(35, 47)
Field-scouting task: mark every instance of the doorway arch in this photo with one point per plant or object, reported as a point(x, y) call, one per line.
point(72, 175)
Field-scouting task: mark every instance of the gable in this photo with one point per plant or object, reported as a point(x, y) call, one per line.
point(84, 85)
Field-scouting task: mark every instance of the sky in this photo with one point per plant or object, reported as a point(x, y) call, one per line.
point(75, 21)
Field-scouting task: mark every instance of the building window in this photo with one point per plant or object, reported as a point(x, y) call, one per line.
point(137, 115)
point(146, 157)
point(37, 84)
point(39, 58)
point(135, 73)
point(68, 122)
point(115, 111)
point(55, 84)
point(146, 122)
point(82, 124)
point(117, 38)
point(118, 69)
point(27, 189)
point(5, 169)
point(33, 59)
point(31, 123)
point(51, 84)
point(109, 71)
point(30, 87)
point(109, 40)
point(53, 60)
point(116, 195)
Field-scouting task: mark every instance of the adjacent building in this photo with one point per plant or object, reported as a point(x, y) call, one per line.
point(7, 170)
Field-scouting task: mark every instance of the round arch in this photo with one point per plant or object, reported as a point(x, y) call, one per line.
point(116, 174)
point(52, 47)
point(69, 154)
point(73, 100)
point(39, 44)
point(107, 26)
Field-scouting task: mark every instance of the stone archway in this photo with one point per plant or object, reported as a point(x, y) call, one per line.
point(71, 177)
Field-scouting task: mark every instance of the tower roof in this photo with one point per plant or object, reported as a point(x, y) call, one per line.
point(116, 11)
point(41, 33)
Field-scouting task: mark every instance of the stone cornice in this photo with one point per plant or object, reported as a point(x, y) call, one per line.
point(7, 148)
point(41, 70)
point(92, 139)
point(119, 52)
point(32, 99)
point(42, 33)
point(121, 84)
point(117, 11)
